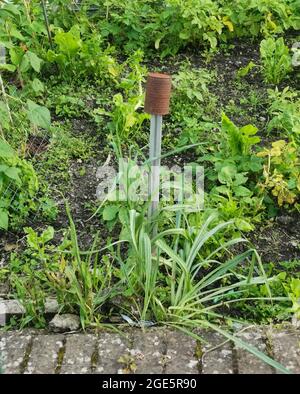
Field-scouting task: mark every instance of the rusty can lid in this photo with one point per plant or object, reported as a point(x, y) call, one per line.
point(158, 92)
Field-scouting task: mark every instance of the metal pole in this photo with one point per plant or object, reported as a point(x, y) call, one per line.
point(157, 102)
point(155, 153)
point(47, 23)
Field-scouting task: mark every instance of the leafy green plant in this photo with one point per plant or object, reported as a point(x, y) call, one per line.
point(126, 116)
point(192, 84)
point(189, 115)
point(170, 280)
point(293, 290)
point(276, 60)
point(79, 57)
point(28, 275)
point(83, 284)
point(18, 187)
point(284, 110)
point(236, 171)
point(281, 172)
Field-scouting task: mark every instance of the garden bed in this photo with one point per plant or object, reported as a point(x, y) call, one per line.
point(71, 106)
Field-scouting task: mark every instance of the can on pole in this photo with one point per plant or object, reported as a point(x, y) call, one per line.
point(157, 103)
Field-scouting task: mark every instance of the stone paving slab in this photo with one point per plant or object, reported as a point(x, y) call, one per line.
point(220, 360)
point(13, 349)
point(156, 350)
point(181, 354)
point(111, 347)
point(247, 362)
point(78, 355)
point(149, 350)
point(43, 358)
point(286, 348)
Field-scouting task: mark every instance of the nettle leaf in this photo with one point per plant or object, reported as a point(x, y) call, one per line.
point(14, 32)
point(38, 115)
point(7, 67)
point(3, 219)
point(16, 55)
point(34, 60)
point(6, 150)
point(37, 86)
point(25, 64)
point(11, 8)
point(110, 212)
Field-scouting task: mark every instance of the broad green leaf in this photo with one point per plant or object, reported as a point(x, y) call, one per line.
point(13, 173)
point(242, 72)
point(110, 212)
point(243, 225)
point(223, 190)
point(14, 32)
point(242, 191)
point(3, 219)
point(157, 42)
point(48, 234)
point(13, 9)
point(39, 115)
point(35, 61)
point(16, 55)
point(25, 64)
point(37, 86)
point(6, 150)
point(7, 67)
point(227, 174)
point(70, 42)
point(249, 129)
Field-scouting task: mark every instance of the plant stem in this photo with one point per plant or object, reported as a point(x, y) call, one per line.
point(5, 98)
point(47, 23)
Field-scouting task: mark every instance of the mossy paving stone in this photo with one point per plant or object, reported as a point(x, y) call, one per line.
point(220, 360)
point(181, 354)
point(13, 347)
point(247, 362)
point(79, 350)
point(149, 351)
point(286, 348)
point(112, 346)
point(43, 358)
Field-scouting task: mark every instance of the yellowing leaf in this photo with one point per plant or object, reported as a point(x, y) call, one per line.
point(113, 70)
point(279, 144)
point(271, 24)
point(130, 121)
point(228, 23)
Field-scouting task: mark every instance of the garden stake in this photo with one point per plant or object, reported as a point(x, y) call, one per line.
point(47, 24)
point(157, 101)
